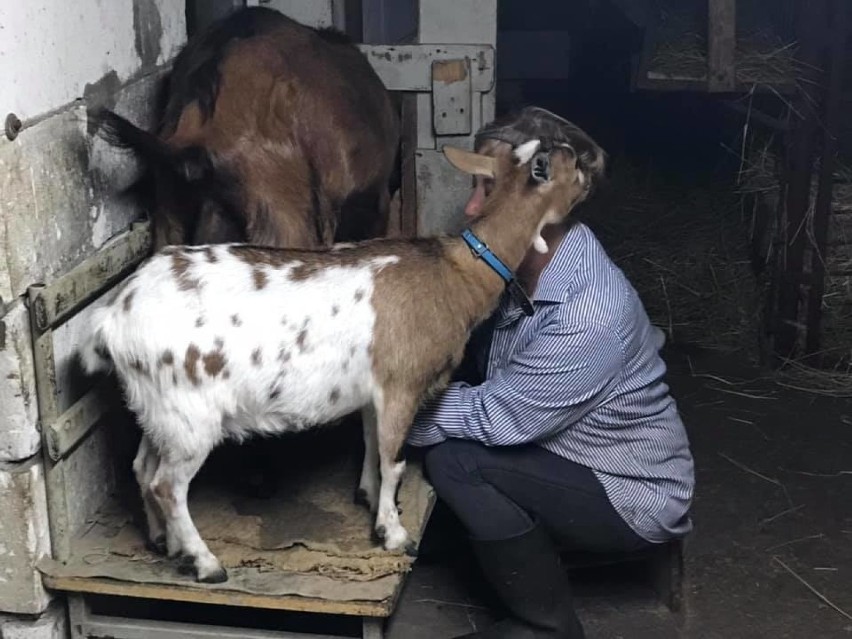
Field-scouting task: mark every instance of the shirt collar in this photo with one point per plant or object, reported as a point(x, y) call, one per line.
point(555, 282)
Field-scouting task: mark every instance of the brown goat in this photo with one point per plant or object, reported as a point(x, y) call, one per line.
point(273, 133)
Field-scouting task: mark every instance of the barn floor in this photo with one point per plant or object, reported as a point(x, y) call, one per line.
point(771, 501)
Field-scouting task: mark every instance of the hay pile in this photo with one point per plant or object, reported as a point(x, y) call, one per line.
point(760, 175)
point(762, 57)
point(682, 245)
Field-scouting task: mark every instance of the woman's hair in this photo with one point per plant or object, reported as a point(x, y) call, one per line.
point(534, 122)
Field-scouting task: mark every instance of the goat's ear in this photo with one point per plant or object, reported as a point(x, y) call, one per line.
point(470, 162)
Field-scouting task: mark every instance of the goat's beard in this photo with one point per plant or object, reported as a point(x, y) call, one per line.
point(539, 243)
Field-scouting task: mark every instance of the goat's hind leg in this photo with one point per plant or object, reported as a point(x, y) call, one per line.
point(368, 488)
point(395, 414)
point(171, 487)
point(144, 466)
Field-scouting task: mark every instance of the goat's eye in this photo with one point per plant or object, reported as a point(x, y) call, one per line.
point(488, 186)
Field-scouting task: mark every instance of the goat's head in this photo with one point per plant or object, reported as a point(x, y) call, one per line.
point(547, 176)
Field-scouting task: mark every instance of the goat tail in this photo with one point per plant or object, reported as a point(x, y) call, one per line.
point(191, 164)
point(94, 353)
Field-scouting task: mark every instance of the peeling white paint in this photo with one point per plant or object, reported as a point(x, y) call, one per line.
point(67, 45)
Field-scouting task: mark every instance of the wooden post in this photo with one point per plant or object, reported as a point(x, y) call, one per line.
point(823, 208)
point(788, 327)
point(721, 45)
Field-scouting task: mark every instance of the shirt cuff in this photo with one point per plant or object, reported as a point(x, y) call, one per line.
point(425, 433)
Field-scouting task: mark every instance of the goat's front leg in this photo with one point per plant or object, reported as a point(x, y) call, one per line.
point(170, 487)
point(144, 466)
point(395, 413)
point(368, 488)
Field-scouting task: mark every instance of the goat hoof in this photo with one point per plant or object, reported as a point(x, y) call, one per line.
point(186, 566)
point(379, 534)
point(411, 549)
point(361, 498)
point(157, 545)
point(215, 577)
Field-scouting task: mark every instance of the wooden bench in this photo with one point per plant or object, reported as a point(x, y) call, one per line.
point(663, 564)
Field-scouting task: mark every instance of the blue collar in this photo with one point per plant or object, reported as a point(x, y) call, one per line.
point(481, 251)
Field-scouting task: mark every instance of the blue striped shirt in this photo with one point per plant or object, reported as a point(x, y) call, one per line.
point(582, 378)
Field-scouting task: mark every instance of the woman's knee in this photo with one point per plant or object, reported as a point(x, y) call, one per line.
point(452, 464)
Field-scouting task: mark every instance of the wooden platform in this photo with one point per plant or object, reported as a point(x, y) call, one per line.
point(307, 548)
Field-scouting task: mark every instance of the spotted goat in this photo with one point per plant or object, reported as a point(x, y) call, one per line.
point(222, 342)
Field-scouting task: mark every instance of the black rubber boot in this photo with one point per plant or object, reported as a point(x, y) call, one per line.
point(526, 575)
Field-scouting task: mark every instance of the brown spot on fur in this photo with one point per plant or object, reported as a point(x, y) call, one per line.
point(164, 492)
point(304, 271)
point(139, 366)
point(257, 357)
point(334, 395)
point(190, 364)
point(128, 300)
point(359, 294)
point(210, 254)
point(199, 322)
point(167, 358)
point(214, 362)
point(283, 355)
point(335, 310)
point(180, 267)
point(235, 320)
point(300, 339)
point(259, 277)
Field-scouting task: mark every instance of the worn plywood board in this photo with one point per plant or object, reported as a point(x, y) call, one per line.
point(450, 21)
point(309, 547)
point(24, 539)
point(90, 474)
point(313, 13)
point(19, 436)
point(54, 52)
point(441, 194)
point(409, 67)
point(452, 107)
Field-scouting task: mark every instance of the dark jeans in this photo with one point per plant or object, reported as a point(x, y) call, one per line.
point(497, 492)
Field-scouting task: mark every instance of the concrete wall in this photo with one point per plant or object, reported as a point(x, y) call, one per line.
point(57, 206)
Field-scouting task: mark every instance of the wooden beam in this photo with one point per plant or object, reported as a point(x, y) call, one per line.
point(408, 185)
point(721, 45)
point(199, 593)
point(822, 207)
point(788, 325)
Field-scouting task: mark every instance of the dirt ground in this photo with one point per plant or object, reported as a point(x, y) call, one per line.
point(774, 480)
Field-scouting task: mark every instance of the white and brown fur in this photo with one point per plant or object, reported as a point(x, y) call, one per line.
point(224, 341)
